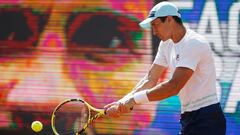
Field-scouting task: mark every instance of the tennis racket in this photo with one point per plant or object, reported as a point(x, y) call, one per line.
point(73, 116)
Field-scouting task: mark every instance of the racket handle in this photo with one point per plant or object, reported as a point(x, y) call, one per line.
point(105, 112)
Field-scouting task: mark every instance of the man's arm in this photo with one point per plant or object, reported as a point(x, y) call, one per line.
point(157, 93)
point(160, 91)
point(171, 87)
point(149, 80)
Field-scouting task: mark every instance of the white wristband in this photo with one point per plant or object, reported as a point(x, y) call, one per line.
point(141, 97)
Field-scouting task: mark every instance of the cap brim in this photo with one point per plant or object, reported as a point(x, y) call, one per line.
point(147, 22)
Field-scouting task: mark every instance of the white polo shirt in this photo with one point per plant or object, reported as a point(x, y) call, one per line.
point(194, 52)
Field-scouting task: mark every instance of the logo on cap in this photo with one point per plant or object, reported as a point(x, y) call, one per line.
point(152, 14)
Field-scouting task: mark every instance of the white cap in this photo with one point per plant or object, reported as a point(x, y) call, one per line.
point(160, 10)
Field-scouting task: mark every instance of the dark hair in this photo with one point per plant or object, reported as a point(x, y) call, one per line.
point(176, 18)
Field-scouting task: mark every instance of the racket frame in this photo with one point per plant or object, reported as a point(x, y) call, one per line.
point(100, 113)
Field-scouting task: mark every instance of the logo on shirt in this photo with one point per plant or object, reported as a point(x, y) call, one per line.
point(177, 57)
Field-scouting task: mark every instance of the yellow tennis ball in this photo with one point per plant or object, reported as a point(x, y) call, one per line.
point(37, 126)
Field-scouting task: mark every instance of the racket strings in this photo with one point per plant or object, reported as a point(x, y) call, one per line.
point(71, 118)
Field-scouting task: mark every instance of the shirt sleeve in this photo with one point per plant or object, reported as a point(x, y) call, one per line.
point(160, 58)
point(191, 56)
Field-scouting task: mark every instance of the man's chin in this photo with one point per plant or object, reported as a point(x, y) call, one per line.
point(163, 39)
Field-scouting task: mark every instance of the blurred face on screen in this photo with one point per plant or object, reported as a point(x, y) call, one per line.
point(50, 51)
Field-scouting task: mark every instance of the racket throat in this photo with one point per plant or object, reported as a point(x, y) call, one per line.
point(89, 122)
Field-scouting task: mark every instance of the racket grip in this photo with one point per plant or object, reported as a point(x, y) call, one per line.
point(105, 111)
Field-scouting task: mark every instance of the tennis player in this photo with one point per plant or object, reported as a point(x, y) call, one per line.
point(189, 59)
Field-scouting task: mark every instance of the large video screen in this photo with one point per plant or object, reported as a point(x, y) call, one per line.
point(95, 50)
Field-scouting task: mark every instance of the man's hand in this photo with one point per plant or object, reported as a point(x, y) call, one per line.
point(116, 109)
point(112, 109)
